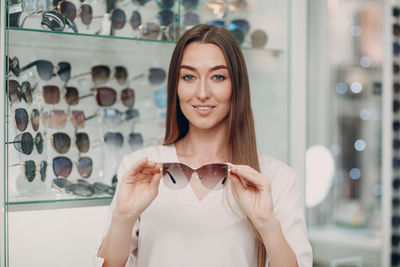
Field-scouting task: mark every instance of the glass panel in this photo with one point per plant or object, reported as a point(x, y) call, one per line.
point(343, 186)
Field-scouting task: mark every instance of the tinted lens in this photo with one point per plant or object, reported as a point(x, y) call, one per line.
point(136, 20)
point(64, 71)
point(43, 170)
point(61, 142)
point(100, 74)
point(13, 92)
point(135, 141)
point(132, 114)
point(239, 24)
point(24, 143)
point(61, 182)
point(26, 92)
point(259, 39)
point(67, 9)
point(62, 166)
point(190, 4)
point(165, 17)
point(190, 19)
point(156, 76)
point(53, 20)
point(219, 23)
point(396, 29)
point(128, 97)
point(239, 36)
point(39, 142)
point(176, 175)
point(30, 170)
point(114, 139)
point(150, 30)
point(44, 69)
point(213, 176)
point(82, 190)
point(82, 142)
point(160, 98)
point(21, 119)
point(13, 65)
point(86, 14)
point(54, 119)
point(396, 48)
point(85, 166)
point(35, 119)
point(71, 96)
point(140, 2)
point(51, 94)
point(104, 188)
point(165, 4)
point(118, 18)
point(111, 116)
point(78, 118)
point(106, 96)
point(121, 74)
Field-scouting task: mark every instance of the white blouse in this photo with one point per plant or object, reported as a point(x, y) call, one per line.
point(179, 230)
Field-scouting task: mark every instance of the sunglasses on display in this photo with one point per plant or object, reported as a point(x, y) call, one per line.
point(45, 69)
point(135, 141)
point(24, 143)
point(16, 92)
point(22, 119)
point(56, 119)
point(31, 169)
point(62, 166)
point(78, 189)
point(107, 96)
point(190, 4)
point(396, 126)
point(104, 188)
point(190, 19)
point(177, 175)
point(101, 74)
point(52, 94)
point(165, 4)
point(61, 142)
point(160, 98)
point(117, 17)
point(155, 76)
point(69, 10)
point(13, 65)
point(113, 140)
point(154, 31)
point(113, 117)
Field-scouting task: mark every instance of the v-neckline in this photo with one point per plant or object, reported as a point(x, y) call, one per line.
point(189, 197)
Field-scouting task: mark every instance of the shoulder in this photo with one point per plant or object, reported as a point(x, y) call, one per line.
point(276, 170)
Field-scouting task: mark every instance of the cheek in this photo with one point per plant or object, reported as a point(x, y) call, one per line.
point(223, 94)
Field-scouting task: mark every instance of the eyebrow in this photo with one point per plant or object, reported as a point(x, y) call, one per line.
point(212, 69)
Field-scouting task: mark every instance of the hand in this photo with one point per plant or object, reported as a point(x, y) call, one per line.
point(253, 192)
point(138, 188)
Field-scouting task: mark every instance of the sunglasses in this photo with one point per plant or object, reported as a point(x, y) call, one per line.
point(103, 188)
point(177, 175)
point(113, 140)
point(22, 119)
point(156, 76)
point(165, 4)
point(46, 69)
point(52, 94)
point(61, 142)
point(135, 20)
point(31, 169)
point(62, 166)
point(78, 189)
point(101, 74)
point(154, 31)
point(113, 117)
point(24, 143)
point(68, 9)
point(56, 119)
point(190, 19)
point(16, 92)
point(13, 65)
point(107, 96)
point(258, 38)
point(190, 4)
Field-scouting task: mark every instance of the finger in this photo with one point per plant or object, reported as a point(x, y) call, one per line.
point(237, 182)
point(250, 175)
point(155, 182)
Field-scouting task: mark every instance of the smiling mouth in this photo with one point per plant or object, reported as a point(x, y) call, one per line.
point(204, 107)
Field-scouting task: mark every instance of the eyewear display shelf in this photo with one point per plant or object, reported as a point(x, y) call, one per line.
point(80, 98)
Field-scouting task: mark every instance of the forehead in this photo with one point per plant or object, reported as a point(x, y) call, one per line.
point(203, 54)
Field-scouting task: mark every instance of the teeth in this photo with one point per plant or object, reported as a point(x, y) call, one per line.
point(204, 108)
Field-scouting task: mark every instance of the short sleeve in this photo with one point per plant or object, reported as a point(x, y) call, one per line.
point(289, 208)
point(131, 262)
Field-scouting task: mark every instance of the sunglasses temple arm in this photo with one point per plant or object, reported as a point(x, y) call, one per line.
point(80, 75)
point(30, 65)
point(29, 15)
point(91, 116)
point(85, 96)
point(71, 24)
point(136, 77)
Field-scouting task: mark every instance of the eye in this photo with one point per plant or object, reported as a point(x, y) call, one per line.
point(218, 77)
point(188, 77)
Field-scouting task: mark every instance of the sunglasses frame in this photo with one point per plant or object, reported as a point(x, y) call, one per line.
point(38, 169)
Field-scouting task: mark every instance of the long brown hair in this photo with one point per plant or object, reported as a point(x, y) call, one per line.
point(241, 145)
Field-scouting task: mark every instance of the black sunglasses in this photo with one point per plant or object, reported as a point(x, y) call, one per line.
point(61, 142)
point(24, 143)
point(31, 169)
point(78, 189)
point(57, 22)
point(45, 69)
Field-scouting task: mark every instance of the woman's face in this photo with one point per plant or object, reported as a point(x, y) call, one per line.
point(204, 87)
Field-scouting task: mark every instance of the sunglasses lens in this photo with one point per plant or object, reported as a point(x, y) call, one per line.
point(79, 189)
point(106, 96)
point(118, 18)
point(30, 170)
point(54, 119)
point(176, 175)
point(396, 126)
point(132, 114)
point(24, 143)
point(21, 119)
point(165, 4)
point(100, 74)
point(219, 23)
point(82, 142)
point(396, 29)
point(39, 142)
point(26, 91)
point(111, 116)
point(71, 96)
point(85, 166)
point(239, 24)
point(78, 118)
point(135, 141)
point(68, 9)
point(160, 98)
point(13, 93)
point(190, 19)
point(190, 4)
point(64, 71)
point(128, 97)
point(136, 20)
point(259, 39)
point(61, 182)
point(114, 139)
point(13, 64)
point(45, 69)
point(239, 36)
point(156, 76)
point(104, 188)
point(51, 94)
point(165, 17)
point(213, 176)
point(62, 166)
point(43, 170)
point(86, 14)
point(140, 2)
point(61, 142)
point(150, 30)
point(53, 20)
point(121, 74)
point(35, 119)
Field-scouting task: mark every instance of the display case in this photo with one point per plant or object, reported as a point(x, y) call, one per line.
point(85, 84)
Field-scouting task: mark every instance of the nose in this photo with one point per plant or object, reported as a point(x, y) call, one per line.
point(203, 91)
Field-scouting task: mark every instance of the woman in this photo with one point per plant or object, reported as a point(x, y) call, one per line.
point(209, 120)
